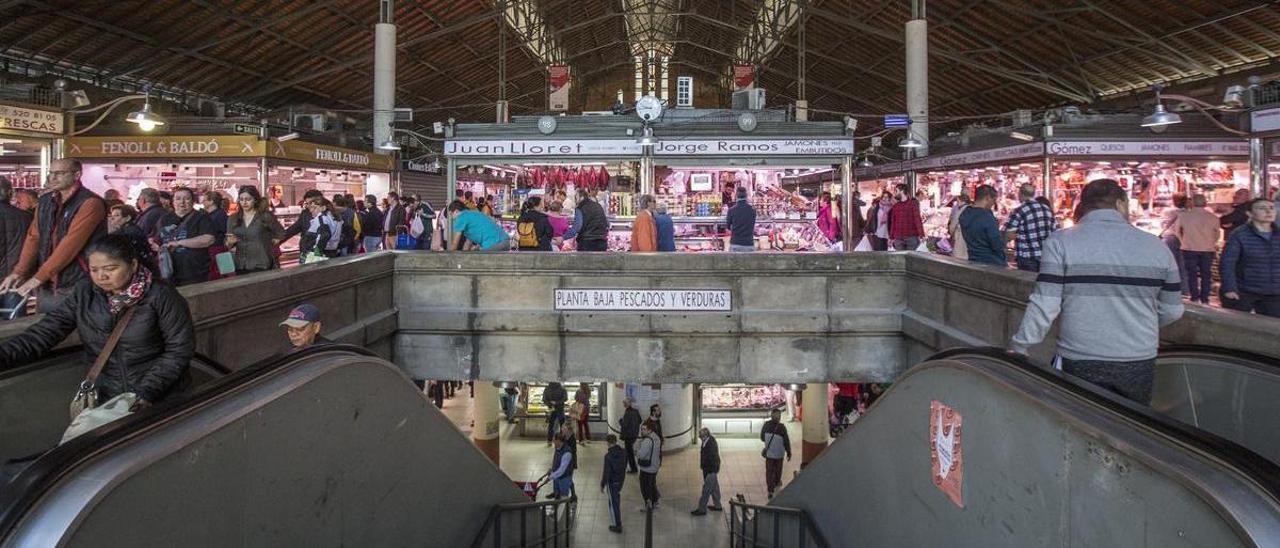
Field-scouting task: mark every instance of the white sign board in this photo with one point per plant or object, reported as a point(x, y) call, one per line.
point(754, 147)
point(30, 119)
point(990, 156)
point(640, 300)
point(1140, 149)
point(548, 149)
point(1265, 120)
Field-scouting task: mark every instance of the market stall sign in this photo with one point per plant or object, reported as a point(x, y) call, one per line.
point(303, 151)
point(30, 119)
point(639, 300)
point(755, 147)
point(995, 155)
point(544, 148)
point(1262, 121)
point(168, 146)
point(1143, 149)
point(247, 129)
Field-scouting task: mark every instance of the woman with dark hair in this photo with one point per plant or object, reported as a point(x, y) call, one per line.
point(253, 233)
point(533, 229)
point(122, 220)
point(156, 345)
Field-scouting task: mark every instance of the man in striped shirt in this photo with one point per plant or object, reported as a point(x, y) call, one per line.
point(1114, 287)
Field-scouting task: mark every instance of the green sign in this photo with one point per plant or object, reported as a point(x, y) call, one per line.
point(248, 129)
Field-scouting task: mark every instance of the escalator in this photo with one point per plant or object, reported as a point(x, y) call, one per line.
point(34, 399)
point(330, 445)
point(1041, 460)
point(1233, 394)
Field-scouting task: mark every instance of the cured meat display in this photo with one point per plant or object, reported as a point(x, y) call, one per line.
point(741, 397)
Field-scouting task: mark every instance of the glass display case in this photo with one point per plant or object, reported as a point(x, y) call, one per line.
point(740, 398)
point(531, 399)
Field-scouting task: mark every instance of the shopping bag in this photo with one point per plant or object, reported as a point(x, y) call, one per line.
point(312, 257)
point(864, 244)
point(225, 262)
point(92, 417)
point(166, 264)
point(416, 228)
point(923, 247)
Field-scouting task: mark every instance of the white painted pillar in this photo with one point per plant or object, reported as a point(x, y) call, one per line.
point(1258, 168)
point(917, 46)
point(485, 413)
point(384, 76)
point(816, 430)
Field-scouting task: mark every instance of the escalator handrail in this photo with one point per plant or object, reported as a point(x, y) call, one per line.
point(48, 470)
point(1270, 364)
point(54, 355)
point(1259, 470)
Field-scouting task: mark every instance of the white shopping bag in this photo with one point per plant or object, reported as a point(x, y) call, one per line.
point(864, 244)
point(923, 247)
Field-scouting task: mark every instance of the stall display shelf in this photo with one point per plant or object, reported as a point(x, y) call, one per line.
point(532, 393)
point(739, 398)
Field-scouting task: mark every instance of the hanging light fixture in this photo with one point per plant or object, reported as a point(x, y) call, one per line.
point(1161, 117)
point(145, 118)
point(389, 144)
point(866, 162)
point(910, 142)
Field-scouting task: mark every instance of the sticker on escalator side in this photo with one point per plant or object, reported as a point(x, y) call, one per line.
point(945, 451)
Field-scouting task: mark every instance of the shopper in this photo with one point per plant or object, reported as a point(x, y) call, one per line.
point(741, 221)
point(1029, 225)
point(1114, 287)
point(655, 421)
point(371, 224)
point(561, 474)
point(558, 220)
point(857, 223)
point(665, 228)
point(324, 230)
point(392, 220)
point(477, 228)
point(185, 234)
point(533, 227)
point(1251, 262)
point(829, 218)
point(121, 220)
point(649, 457)
point(582, 411)
point(166, 200)
point(215, 206)
point(67, 218)
point(777, 444)
point(959, 249)
point(26, 200)
point(1168, 218)
point(149, 211)
point(906, 227)
point(981, 231)
point(112, 197)
point(510, 395)
point(253, 233)
point(303, 326)
point(345, 212)
point(157, 339)
point(612, 478)
point(570, 441)
point(1196, 230)
point(709, 463)
point(877, 227)
point(644, 231)
point(303, 223)
point(590, 225)
point(629, 429)
point(1239, 214)
point(435, 391)
point(14, 224)
point(553, 398)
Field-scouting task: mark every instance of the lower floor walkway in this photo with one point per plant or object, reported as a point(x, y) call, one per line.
point(679, 484)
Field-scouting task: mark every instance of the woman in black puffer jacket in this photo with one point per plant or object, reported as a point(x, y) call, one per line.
point(154, 351)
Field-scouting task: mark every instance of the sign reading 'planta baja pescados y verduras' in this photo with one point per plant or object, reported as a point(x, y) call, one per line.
point(638, 300)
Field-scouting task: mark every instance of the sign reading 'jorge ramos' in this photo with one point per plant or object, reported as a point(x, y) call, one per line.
point(636, 300)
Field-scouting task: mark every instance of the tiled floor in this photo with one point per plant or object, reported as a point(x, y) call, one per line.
point(679, 483)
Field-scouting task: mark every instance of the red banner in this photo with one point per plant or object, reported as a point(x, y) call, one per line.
point(945, 452)
point(558, 87)
point(744, 76)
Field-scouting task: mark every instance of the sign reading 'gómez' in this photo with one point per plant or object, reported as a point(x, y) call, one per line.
point(670, 300)
point(1148, 148)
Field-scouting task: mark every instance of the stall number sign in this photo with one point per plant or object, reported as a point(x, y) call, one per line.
point(30, 119)
point(755, 147)
point(945, 452)
point(639, 300)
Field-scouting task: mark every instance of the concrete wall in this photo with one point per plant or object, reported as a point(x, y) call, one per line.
point(795, 318)
point(237, 320)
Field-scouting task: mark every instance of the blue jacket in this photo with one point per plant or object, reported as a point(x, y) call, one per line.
point(982, 235)
point(666, 232)
point(615, 467)
point(1251, 261)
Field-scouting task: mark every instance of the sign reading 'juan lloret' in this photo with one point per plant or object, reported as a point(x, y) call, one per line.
point(639, 300)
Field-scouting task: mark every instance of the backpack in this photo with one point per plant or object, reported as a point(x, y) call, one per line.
point(527, 235)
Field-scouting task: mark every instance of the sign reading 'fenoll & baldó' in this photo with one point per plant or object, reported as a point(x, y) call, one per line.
point(670, 300)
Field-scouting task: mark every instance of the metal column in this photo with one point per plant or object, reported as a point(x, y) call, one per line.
point(646, 171)
point(451, 190)
point(384, 75)
point(1258, 167)
point(846, 203)
point(1047, 188)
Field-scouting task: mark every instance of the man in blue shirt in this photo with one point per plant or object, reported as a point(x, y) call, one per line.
point(477, 228)
point(981, 231)
point(666, 229)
